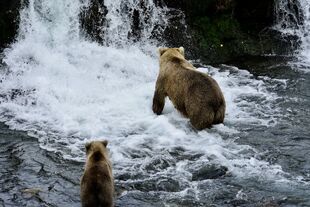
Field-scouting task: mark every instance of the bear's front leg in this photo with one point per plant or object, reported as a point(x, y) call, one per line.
point(158, 102)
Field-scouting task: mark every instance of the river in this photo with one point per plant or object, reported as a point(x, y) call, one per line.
point(60, 90)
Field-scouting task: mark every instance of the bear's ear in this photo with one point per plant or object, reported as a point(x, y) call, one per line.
point(181, 50)
point(162, 50)
point(105, 143)
point(87, 146)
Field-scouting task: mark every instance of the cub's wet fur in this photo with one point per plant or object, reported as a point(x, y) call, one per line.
point(97, 185)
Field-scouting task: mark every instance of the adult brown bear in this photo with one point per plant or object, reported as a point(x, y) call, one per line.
point(97, 185)
point(195, 94)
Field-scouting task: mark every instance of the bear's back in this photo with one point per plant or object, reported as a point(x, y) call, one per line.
point(189, 85)
point(97, 185)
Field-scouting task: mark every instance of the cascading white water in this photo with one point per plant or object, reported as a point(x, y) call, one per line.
point(51, 23)
point(126, 17)
point(65, 90)
point(293, 18)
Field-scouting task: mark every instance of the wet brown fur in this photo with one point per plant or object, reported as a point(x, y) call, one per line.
point(195, 94)
point(97, 185)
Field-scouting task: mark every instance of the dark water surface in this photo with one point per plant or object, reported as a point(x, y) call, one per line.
point(30, 176)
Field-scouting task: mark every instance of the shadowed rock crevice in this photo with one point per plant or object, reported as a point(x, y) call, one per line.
point(93, 20)
point(9, 20)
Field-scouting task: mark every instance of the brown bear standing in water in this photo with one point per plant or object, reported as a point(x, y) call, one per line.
point(195, 94)
point(97, 186)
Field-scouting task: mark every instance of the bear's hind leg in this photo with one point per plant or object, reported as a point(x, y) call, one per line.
point(158, 102)
point(202, 119)
point(219, 115)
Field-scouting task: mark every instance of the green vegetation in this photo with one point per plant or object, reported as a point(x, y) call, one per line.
point(223, 30)
point(216, 32)
point(220, 38)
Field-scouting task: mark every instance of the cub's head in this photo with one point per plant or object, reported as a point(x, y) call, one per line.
point(165, 51)
point(96, 147)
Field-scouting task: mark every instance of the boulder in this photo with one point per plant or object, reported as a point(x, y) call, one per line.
point(209, 172)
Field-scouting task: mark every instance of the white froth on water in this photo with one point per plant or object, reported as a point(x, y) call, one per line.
point(65, 91)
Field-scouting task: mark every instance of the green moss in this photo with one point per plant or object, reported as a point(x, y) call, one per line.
point(216, 32)
point(223, 30)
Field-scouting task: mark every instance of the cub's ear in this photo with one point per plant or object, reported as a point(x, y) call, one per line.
point(181, 50)
point(87, 146)
point(162, 50)
point(105, 143)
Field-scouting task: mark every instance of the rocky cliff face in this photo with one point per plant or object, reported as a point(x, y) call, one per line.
point(227, 29)
point(218, 30)
point(9, 18)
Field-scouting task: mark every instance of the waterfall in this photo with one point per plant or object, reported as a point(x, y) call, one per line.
point(293, 18)
point(125, 22)
point(131, 21)
point(51, 22)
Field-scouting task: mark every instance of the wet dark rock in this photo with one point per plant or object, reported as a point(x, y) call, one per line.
point(93, 20)
point(215, 30)
point(180, 153)
point(129, 176)
point(177, 33)
point(9, 20)
point(165, 184)
point(254, 16)
point(224, 30)
point(159, 163)
point(185, 202)
point(25, 166)
point(139, 199)
point(270, 204)
point(169, 185)
point(238, 202)
point(136, 28)
point(209, 172)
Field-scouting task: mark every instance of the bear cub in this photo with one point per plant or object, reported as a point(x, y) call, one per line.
point(195, 94)
point(97, 185)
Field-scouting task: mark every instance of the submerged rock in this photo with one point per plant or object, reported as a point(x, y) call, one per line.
point(159, 163)
point(209, 172)
point(149, 185)
point(270, 204)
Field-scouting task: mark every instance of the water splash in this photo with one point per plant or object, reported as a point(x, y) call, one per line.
point(51, 23)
